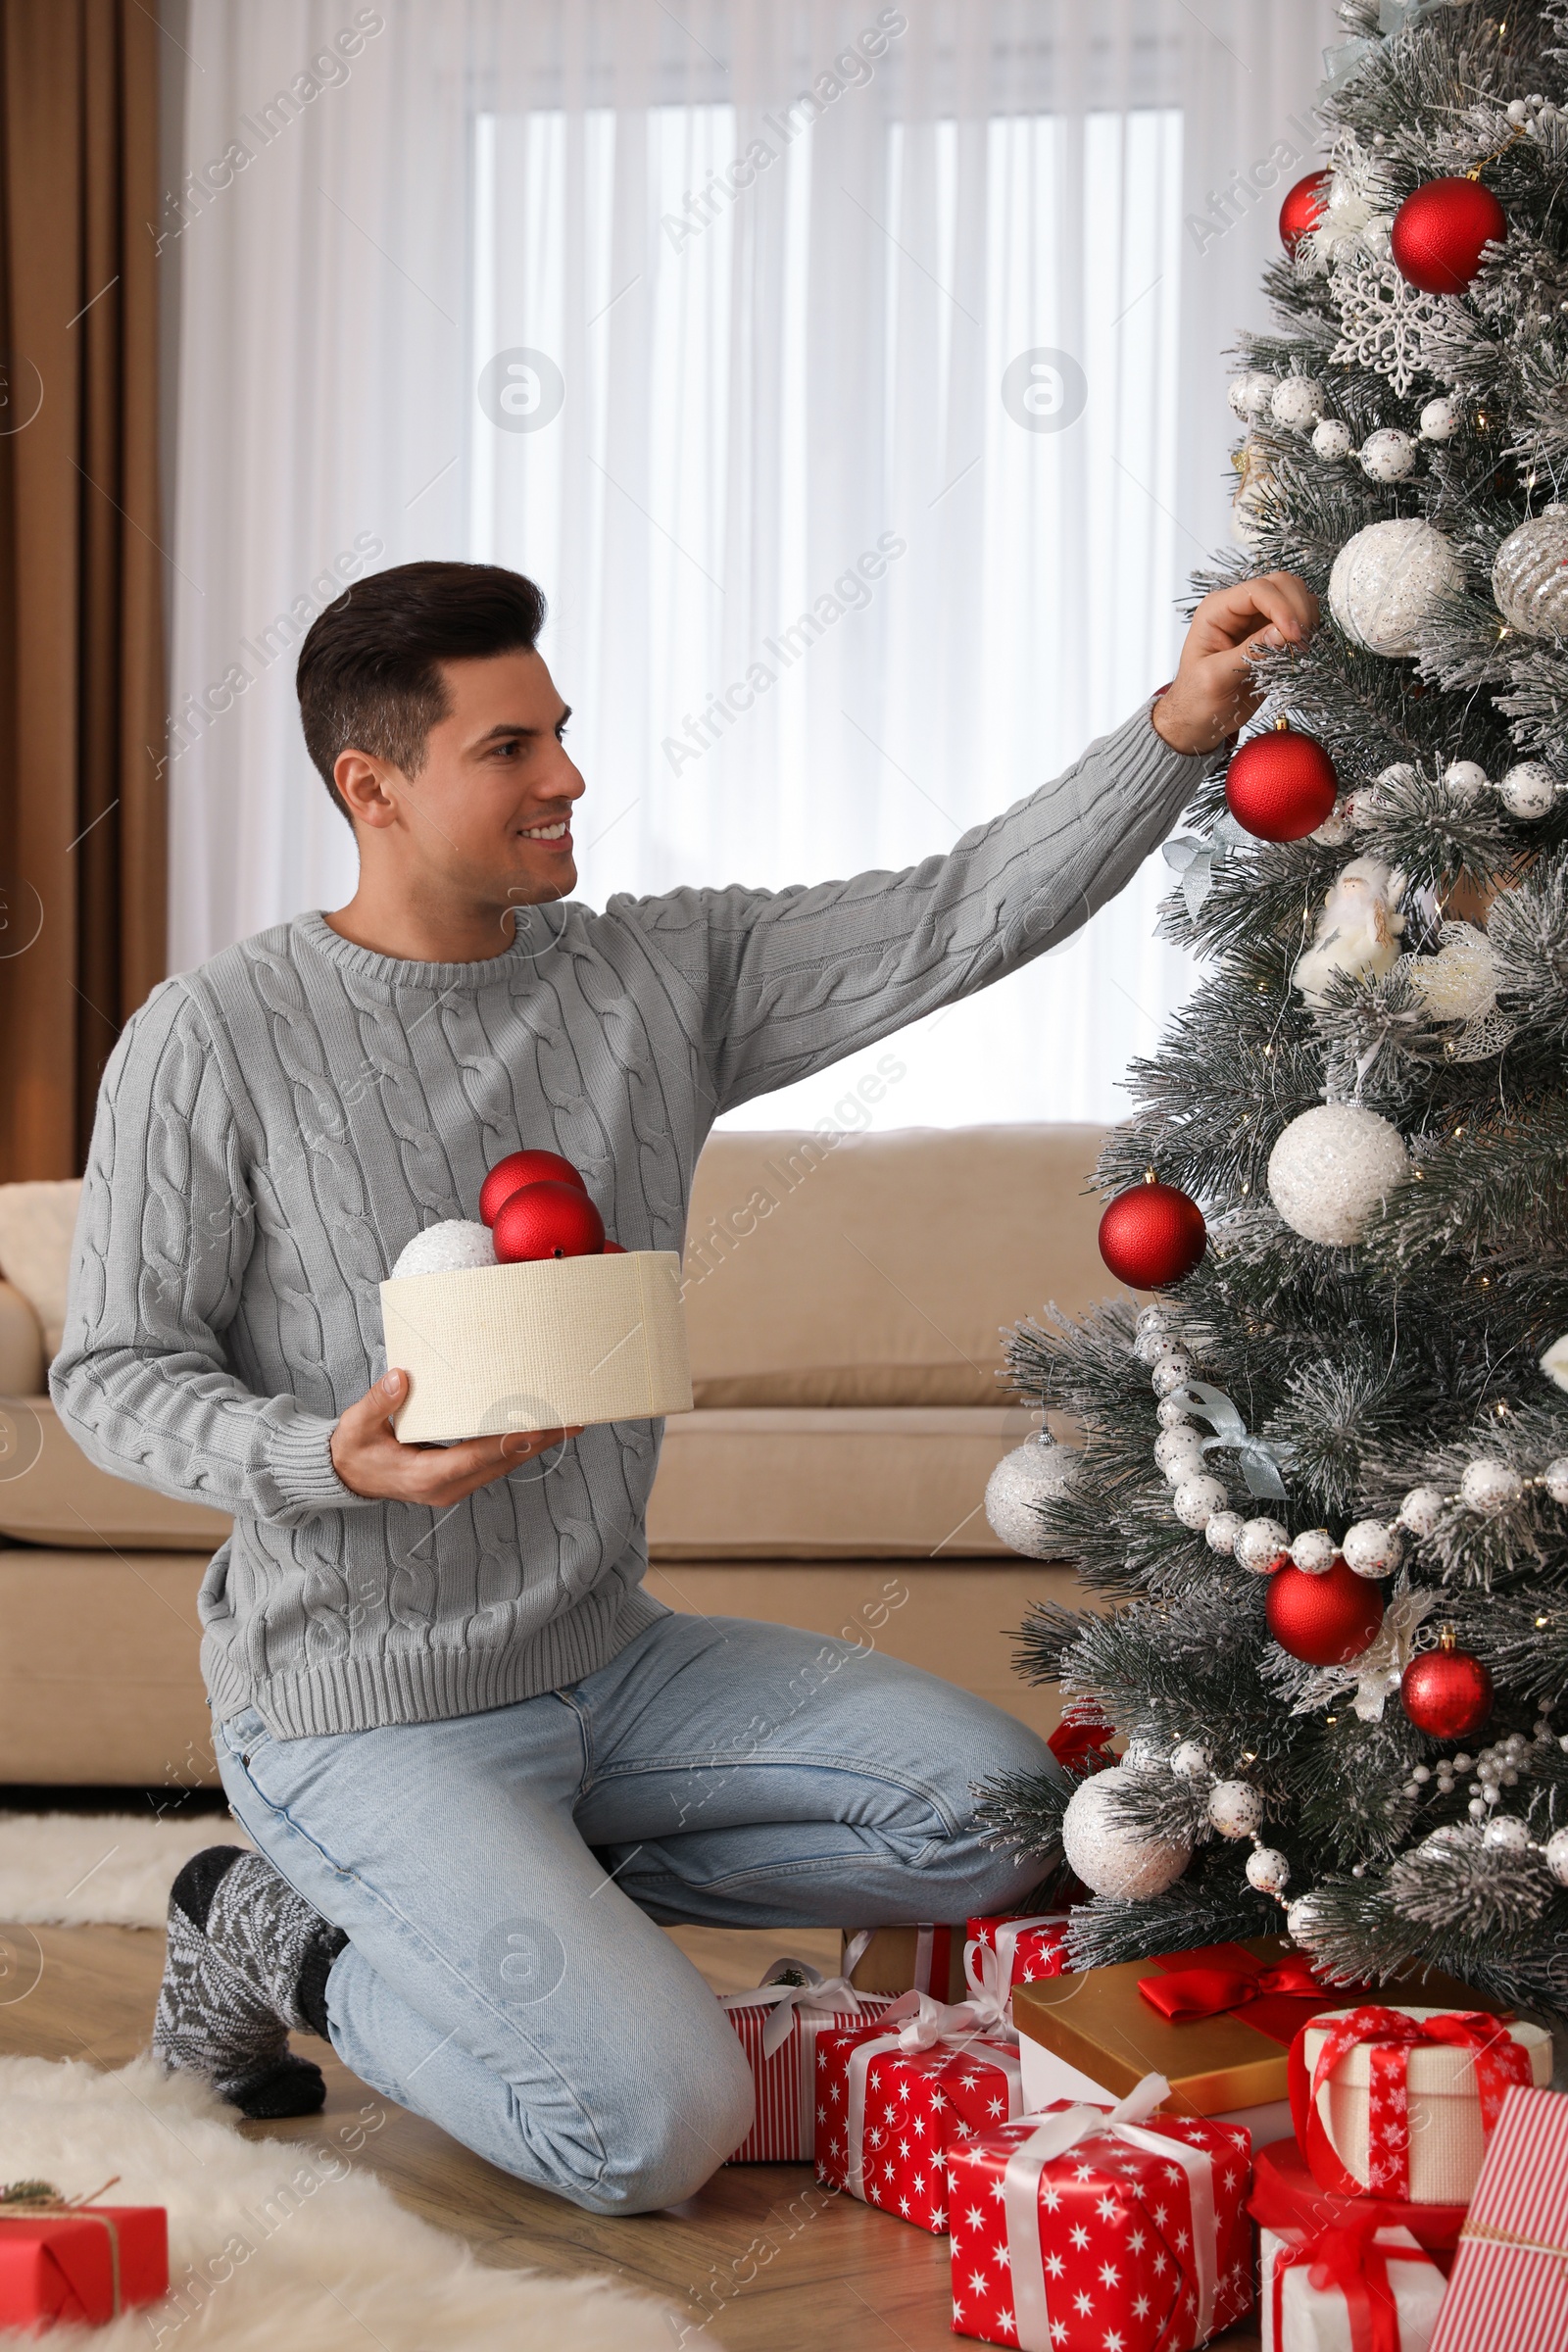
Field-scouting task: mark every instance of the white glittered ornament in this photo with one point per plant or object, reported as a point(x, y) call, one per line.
point(1528, 790)
point(1504, 1835)
point(1556, 1477)
point(1314, 1552)
point(1556, 1856)
point(1197, 1500)
point(1304, 1919)
point(1359, 931)
point(1179, 1453)
point(1260, 1543)
point(1235, 1808)
point(1421, 1511)
point(1388, 455)
point(1171, 1413)
point(1530, 575)
point(1189, 1761)
point(1438, 419)
point(1465, 778)
point(1370, 1548)
point(1387, 581)
point(1337, 825)
point(1491, 1485)
point(1153, 1317)
point(1251, 394)
point(1108, 1852)
point(1297, 402)
point(450, 1248)
point(1172, 1372)
point(1267, 1869)
point(1222, 1530)
point(1333, 1168)
point(1332, 440)
point(1035, 1472)
point(1459, 982)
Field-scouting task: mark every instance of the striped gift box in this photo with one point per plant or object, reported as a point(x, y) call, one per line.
point(778, 2026)
point(1509, 2288)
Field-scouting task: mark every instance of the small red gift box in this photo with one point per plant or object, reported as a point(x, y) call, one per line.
point(1026, 1947)
point(890, 2107)
point(1089, 2226)
point(80, 2264)
point(1363, 2252)
point(780, 2025)
point(1286, 2197)
point(1510, 2277)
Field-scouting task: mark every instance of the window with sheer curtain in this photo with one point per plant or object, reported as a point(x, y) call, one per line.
point(856, 401)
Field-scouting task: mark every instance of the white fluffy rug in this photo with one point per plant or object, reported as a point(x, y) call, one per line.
point(111, 1869)
point(278, 2243)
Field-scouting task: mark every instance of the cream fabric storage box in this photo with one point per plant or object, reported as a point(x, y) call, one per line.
point(1442, 2103)
point(556, 1342)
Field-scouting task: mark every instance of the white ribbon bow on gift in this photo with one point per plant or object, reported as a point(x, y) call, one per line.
point(1020, 2204)
point(792, 1984)
point(915, 2021)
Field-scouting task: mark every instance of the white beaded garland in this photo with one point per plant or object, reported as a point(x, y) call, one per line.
point(1333, 440)
point(1035, 1472)
point(449, 1248)
point(1267, 1869)
point(1490, 1485)
point(1421, 1511)
point(1106, 1852)
point(1295, 402)
point(1252, 394)
point(1314, 1552)
point(1260, 1544)
point(1556, 1856)
point(1556, 1477)
point(1304, 1919)
point(1528, 790)
point(1506, 1836)
point(1332, 1168)
point(1152, 1317)
point(1172, 1415)
point(1465, 778)
point(1438, 419)
point(1530, 575)
point(1197, 1500)
point(1172, 1372)
point(1222, 1530)
point(1388, 455)
point(1370, 1548)
point(1179, 1453)
point(1235, 1808)
point(1189, 1761)
point(1387, 581)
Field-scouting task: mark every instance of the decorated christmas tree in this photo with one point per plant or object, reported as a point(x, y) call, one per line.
point(1321, 1492)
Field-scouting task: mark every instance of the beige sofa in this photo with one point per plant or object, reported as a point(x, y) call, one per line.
point(845, 1301)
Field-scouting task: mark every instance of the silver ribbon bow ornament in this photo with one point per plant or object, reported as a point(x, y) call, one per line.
point(1259, 1460)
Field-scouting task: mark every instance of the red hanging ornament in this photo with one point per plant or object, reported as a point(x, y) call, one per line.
point(1446, 1691)
point(547, 1220)
point(1280, 786)
point(1151, 1235)
point(519, 1168)
point(1304, 208)
point(1439, 231)
point(1323, 1620)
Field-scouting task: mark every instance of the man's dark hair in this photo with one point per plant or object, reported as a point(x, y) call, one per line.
point(368, 676)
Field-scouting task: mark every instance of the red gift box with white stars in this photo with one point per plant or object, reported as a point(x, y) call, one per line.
point(886, 2116)
point(1028, 1947)
point(1131, 2239)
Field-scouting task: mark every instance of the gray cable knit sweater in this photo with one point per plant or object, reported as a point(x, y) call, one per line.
point(274, 1126)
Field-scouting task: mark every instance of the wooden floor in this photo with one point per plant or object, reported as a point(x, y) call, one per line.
point(839, 2273)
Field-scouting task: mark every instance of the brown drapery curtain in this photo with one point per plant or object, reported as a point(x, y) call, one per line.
point(82, 802)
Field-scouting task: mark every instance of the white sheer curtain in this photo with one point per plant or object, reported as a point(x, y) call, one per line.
point(850, 377)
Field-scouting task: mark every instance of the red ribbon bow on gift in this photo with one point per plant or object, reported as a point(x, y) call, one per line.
point(1191, 1992)
point(1390, 2035)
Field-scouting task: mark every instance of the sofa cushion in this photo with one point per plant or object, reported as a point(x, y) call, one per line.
point(883, 1269)
point(846, 1482)
point(50, 1493)
point(37, 1225)
point(22, 1361)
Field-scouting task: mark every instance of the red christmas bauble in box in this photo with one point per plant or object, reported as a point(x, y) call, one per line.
point(1304, 208)
point(1151, 1235)
point(519, 1168)
point(1446, 1693)
point(1439, 231)
point(547, 1220)
point(1323, 1620)
point(1280, 786)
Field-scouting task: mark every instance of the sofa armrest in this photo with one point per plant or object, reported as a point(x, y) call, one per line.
point(22, 1364)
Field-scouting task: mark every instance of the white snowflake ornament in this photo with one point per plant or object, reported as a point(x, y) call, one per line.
point(1383, 317)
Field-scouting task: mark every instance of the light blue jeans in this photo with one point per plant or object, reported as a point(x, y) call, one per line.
point(498, 1877)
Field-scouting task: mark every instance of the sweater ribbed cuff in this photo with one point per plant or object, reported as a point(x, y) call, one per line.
point(299, 1459)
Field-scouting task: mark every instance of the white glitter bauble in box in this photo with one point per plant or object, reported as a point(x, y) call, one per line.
point(449, 1248)
point(1558, 1856)
point(1251, 394)
point(1387, 582)
point(1197, 1500)
point(1554, 1362)
point(1106, 1852)
point(1461, 981)
point(1222, 1530)
point(1267, 1869)
point(1172, 1372)
point(1530, 575)
point(1172, 1415)
point(1388, 455)
point(1314, 1552)
point(1528, 790)
point(1465, 778)
point(1331, 439)
point(1332, 1168)
point(1235, 1808)
point(1260, 1544)
point(1370, 1548)
point(1421, 1511)
point(1556, 1477)
point(1295, 402)
point(1037, 1471)
point(1491, 1485)
point(1438, 419)
point(1179, 1453)
point(1506, 1835)
point(1189, 1761)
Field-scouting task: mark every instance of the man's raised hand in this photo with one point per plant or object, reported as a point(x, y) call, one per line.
point(370, 1457)
point(1215, 689)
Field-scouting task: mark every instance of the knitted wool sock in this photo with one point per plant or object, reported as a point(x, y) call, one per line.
point(248, 1959)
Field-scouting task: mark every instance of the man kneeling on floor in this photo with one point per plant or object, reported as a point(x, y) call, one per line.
point(481, 1766)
